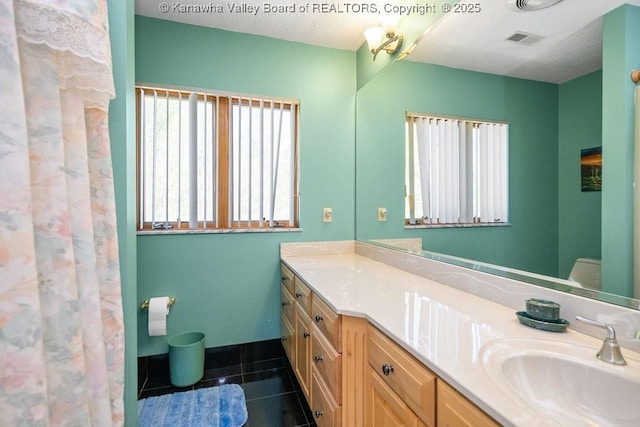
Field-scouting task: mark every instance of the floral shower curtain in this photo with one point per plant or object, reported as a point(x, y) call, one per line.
point(636, 196)
point(61, 325)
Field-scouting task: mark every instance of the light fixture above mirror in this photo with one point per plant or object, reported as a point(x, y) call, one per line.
point(529, 5)
point(383, 38)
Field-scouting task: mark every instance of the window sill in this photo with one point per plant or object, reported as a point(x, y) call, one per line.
point(219, 231)
point(417, 226)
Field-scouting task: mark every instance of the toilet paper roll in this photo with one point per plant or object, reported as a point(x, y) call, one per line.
point(158, 311)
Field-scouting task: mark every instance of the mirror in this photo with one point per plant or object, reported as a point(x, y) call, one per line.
point(552, 222)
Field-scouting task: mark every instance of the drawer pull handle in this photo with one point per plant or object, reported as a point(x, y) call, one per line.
point(283, 339)
point(319, 318)
point(306, 334)
point(284, 303)
point(387, 369)
point(317, 358)
point(284, 280)
point(318, 413)
point(298, 294)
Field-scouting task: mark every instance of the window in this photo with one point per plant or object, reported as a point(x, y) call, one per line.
point(456, 171)
point(214, 161)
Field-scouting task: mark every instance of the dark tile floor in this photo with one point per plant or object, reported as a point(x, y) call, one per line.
point(273, 395)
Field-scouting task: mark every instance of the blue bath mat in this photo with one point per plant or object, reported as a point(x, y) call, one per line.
point(222, 406)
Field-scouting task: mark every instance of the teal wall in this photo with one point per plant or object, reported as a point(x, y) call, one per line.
point(530, 107)
point(621, 54)
point(227, 285)
point(122, 133)
point(580, 213)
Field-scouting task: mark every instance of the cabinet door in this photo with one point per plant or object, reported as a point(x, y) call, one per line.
point(328, 322)
point(325, 409)
point(382, 407)
point(288, 304)
point(328, 363)
point(303, 350)
point(405, 375)
point(303, 296)
point(288, 278)
point(454, 410)
point(288, 339)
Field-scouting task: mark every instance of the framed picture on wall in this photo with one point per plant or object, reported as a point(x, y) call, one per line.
point(591, 169)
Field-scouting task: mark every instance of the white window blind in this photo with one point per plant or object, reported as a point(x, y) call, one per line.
point(457, 171)
point(215, 161)
point(262, 188)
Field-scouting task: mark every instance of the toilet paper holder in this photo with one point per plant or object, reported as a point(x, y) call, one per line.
point(145, 303)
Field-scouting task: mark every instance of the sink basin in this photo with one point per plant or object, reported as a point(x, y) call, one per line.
point(565, 382)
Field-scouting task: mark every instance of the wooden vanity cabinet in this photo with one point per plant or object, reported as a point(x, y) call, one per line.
point(328, 357)
point(302, 295)
point(302, 366)
point(326, 372)
point(353, 375)
point(383, 407)
point(288, 314)
point(408, 379)
point(288, 338)
point(326, 410)
point(455, 410)
point(288, 278)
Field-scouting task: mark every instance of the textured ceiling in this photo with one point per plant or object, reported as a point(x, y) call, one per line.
point(566, 38)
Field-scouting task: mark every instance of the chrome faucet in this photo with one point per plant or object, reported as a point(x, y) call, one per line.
point(610, 351)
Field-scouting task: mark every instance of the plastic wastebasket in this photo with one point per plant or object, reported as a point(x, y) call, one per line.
point(186, 358)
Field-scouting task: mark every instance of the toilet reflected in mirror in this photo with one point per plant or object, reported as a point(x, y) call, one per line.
point(586, 272)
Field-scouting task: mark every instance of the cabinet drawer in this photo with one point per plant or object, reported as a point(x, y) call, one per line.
point(456, 410)
point(328, 363)
point(303, 296)
point(288, 304)
point(288, 338)
point(326, 411)
point(410, 379)
point(288, 278)
point(303, 352)
point(329, 323)
point(382, 407)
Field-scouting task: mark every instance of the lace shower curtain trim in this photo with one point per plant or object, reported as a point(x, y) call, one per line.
point(77, 31)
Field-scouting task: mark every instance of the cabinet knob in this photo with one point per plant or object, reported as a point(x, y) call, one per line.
point(306, 334)
point(283, 339)
point(284, 303)
point(298, 294)
point(387, 369)
point(284, 279)
point(319, 318)
point(317, 358)
point(318, 413)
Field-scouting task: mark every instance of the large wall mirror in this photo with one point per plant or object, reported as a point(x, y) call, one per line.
point(561, 92)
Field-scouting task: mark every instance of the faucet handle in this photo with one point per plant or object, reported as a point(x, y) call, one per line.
point(610, 351)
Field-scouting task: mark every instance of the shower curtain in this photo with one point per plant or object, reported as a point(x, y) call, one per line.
point(61, 325)
point(636, 197)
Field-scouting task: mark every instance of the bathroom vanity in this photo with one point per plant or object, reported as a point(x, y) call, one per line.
point(374, 344)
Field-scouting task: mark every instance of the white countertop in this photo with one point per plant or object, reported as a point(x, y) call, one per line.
point(443, 327)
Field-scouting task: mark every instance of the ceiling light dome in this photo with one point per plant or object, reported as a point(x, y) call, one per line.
point(527, 5)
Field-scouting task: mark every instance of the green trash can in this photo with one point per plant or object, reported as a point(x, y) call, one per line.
point(186, 358)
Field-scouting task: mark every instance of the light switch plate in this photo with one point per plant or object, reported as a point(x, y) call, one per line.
point(382, 214)
point(327, 215)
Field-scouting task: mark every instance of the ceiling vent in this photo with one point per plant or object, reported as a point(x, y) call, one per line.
point(529, 5)
point(524, 38)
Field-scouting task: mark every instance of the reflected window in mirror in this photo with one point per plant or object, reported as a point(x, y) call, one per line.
point(456, 171)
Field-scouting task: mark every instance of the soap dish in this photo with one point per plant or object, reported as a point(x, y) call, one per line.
point(559, 325)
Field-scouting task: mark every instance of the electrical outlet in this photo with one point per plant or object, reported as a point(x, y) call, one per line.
point(327, 215)
point(382, 214)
